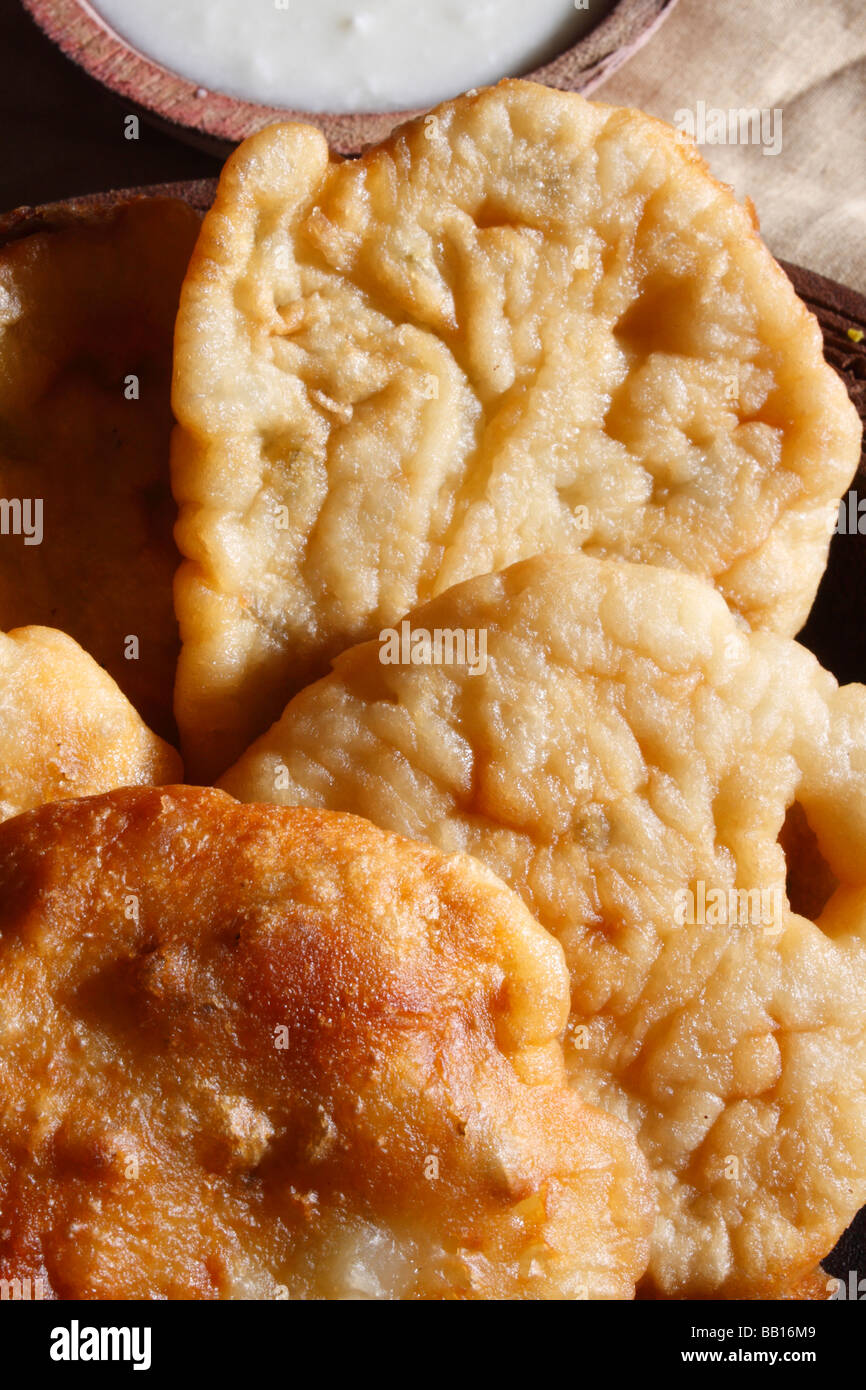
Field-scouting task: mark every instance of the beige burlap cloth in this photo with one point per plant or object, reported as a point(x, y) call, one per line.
point(805, 58)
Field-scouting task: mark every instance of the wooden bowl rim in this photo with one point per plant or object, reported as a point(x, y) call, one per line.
point(89, 40)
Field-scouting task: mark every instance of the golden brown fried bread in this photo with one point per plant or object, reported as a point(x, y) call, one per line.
point(626, 762)
point(815, 1287)
point(86, 322)
point(253, 1053)
point(65, 728)
point(525, 322)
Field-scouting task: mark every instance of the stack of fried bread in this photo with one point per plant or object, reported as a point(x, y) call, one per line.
point(514, 943)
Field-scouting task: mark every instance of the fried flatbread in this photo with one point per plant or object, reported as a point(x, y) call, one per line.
point(525, 322)
point(259, 1053)
point(65, 728)
point(815, 1287)
point(86, 323)
point(627, 760)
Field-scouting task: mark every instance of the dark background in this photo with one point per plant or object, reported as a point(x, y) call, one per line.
point(63, 133)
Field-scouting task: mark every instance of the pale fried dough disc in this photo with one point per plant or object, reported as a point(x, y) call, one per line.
point(525, 322)
point(86, 323)
point(66, 730)
point(258, 1053)
point(628, 745)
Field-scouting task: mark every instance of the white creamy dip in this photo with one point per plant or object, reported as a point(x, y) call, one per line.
point(349, 55)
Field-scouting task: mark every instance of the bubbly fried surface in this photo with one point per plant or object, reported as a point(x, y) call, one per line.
point(525, 322)
point(629, 752)
point(84, 309)
point(65, 728)
point(815, 1287)
point(257, 1053)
